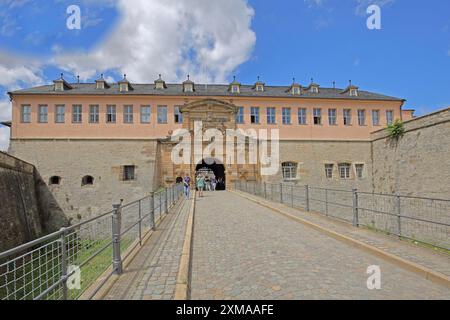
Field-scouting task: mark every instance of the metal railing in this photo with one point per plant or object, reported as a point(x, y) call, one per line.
point(64, 264)
point(419, 219)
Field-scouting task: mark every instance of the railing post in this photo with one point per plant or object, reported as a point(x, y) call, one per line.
point(307, 198)
point(166, 201)
point(246, 186)
point(292, 196)
point(326, 202)
point(265, 190)
point(160, 204)
point(152, 210)
point(64, 263)
point(116, 229)
point(140, 222)
point(355, 208)
point(281, 193)
point(399, 216)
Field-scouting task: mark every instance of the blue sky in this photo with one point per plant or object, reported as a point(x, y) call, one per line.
point(322, 39)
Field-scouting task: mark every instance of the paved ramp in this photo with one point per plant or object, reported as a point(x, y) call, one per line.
point(243, 250)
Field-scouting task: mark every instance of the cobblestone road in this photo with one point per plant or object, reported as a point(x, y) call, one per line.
point(152, 274)
point(246, 251)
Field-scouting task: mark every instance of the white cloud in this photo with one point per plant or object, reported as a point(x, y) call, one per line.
point(18, 71)
point(5, 114)
point(207, 39)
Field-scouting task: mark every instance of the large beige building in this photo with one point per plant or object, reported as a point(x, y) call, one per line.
point(98, 142)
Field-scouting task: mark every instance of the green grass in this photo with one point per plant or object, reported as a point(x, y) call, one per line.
point(410, 240)
point(39, 274)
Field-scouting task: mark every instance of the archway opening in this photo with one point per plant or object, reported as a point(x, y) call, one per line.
point(212, 168)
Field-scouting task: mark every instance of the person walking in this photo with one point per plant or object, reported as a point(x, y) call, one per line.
point(200, 185)
point(208, 183)
point(214, 183)
point(187, 186)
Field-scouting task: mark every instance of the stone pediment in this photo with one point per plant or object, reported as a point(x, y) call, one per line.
point(211, 105)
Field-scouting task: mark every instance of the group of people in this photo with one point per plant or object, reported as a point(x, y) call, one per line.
point(203, 182)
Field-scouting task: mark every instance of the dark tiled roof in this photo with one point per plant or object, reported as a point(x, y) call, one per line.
point(221, 90)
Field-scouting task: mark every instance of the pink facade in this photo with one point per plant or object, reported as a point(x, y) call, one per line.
point(153, 130)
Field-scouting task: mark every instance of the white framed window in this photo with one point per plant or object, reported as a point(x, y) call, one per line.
point(188, 87)
point(59, 86)
point(329, 170)
point(100, 85)
point(314, 89)
point(302, 116)
point(162, 114)
point(289, 170)
point(344, 170)
point(123, 87)
point(254, 115)
point(235, 89)
point(296, 90)
point(332, 117)
point(260, 88)
point(77, 113)
point(353, 92)
point(111, 115)
point(240, 115)
point(362, 117)
point(286, 115)
point(178, 116)
point(317, 116)
point(145, 114)
point(26, 113)
point(94, 114)
point(128, 114)
point(359, 168)
point(389, 117)
point(271, 115)
point(43, 113)
point(60, 114)
point(376, 117)
point(347, 117)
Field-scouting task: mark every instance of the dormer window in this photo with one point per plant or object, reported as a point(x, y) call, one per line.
point(61, 84)
point(351, 90)
point(235, 87)
point(295, 88)
point(124, 85)
point(160, 83)
point(101, 84)
point(259, 86)
point(188, 85)
point(314, 89)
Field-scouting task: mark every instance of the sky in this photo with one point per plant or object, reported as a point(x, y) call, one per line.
point(327, 40)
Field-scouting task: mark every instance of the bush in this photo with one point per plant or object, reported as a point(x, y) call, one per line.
point(396, 129)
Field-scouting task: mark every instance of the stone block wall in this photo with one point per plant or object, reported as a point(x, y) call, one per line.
point(28, 210)
point(103, 160)
point(418, 164)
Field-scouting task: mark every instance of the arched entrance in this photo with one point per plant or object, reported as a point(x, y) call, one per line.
point(213, 167)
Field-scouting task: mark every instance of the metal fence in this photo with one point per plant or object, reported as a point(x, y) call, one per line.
point(416, 218)
point(64, 264)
